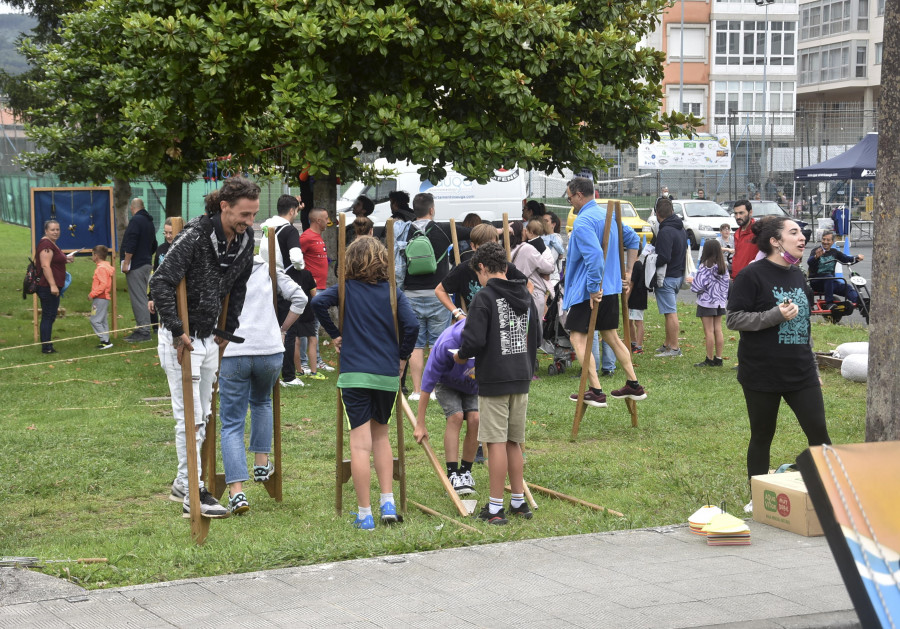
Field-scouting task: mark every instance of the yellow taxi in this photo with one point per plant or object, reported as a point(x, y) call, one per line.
point(629, 217)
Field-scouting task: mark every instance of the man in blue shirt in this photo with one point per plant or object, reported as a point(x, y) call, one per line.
point(593, 286)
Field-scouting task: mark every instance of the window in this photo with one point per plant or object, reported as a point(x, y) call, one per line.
point(860, 62)
point(880, 8)
point(743, 100)
point(862, 16)
point(823, 64)
point(832, 17)
point(878, 49)
point(692, 103)
point(743, 42)
point(694, 43)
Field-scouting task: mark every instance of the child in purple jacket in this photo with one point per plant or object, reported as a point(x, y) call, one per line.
point(711, 285)
point(457, 392)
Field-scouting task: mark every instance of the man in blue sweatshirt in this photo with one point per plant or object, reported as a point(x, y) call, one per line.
point(457, 393)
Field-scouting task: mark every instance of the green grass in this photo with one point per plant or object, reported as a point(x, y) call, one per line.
point(87, 462)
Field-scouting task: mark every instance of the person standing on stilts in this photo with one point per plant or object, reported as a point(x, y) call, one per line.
point(371, 362)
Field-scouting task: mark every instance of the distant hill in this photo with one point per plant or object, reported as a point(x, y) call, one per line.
point(11, 26)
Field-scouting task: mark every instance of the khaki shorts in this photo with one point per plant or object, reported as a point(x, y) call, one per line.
point(502, 418)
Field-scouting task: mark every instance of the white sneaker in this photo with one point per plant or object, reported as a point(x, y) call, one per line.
point(414, 397)
point(433, 396)
point(748, 508)
point(296, 382)
point(306, 371)
point(325, 367)
point(466, 484)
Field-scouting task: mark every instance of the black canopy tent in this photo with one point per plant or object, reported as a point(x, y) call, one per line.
point(857, 162)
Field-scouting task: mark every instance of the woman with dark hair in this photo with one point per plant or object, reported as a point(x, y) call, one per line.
point(51, 281)
point(533, 209)
point(769, 305)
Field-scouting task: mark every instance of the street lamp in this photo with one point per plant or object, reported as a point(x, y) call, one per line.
point(763, 161)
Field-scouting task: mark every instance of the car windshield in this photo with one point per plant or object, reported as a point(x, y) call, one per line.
point(766, 208)
point(628, 210)
point(704, 208)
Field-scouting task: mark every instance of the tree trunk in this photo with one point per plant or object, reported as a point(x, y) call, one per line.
point(883, 400)
point(175, 199)
point(325, 195)
point(121, 199)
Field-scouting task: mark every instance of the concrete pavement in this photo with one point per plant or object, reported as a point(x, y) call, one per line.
point(651, 578)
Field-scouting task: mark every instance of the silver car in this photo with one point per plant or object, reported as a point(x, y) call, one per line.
point(702, 219)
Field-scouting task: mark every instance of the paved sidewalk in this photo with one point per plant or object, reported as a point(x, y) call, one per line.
point(651, 578)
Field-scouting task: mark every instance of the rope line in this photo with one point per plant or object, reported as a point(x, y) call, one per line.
point(75, 358)
point(71, 338)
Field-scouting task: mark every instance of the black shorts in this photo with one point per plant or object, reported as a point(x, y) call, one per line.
point(607, 315)
point(361, 405)
point(305, 328)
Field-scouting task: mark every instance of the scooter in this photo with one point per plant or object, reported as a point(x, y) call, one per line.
point(842, 309)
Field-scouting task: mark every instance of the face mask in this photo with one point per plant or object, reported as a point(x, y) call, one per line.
point(790, 259)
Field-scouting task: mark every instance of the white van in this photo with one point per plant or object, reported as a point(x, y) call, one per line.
point(454, 196)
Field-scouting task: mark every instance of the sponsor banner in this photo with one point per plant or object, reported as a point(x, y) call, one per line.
point(705, 151)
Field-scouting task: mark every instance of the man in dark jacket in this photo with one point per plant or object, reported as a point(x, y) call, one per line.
point(502, 333)
point(671, 247)
point(139, 245)
point(213, 255)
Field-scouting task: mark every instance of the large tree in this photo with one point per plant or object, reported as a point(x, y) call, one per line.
point(883, 400)
point(483, 84)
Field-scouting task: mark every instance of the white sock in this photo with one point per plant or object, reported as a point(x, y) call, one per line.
point(517, 500)
point(386, 498)
point(364, 511)
point(495, 506)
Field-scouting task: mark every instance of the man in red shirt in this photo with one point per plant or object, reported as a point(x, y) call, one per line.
point(744, 250)
point(315, 256)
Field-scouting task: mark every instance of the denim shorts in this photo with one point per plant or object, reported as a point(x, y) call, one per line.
point(453, 401)
point(433, 319)
point(665, 295)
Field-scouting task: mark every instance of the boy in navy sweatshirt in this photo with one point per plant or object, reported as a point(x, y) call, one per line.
point(371, 362)
point(502, 333)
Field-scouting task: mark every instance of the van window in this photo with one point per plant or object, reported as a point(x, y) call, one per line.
point(379, 193)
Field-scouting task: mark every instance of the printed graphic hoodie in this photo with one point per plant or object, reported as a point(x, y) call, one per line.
point(502, 333)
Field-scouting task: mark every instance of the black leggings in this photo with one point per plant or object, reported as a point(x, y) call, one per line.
point(762, 409)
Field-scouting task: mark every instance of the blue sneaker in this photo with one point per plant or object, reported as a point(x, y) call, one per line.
point(367, 523)
point(389, 513)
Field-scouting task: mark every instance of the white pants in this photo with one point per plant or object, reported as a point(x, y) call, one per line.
point(204, 364)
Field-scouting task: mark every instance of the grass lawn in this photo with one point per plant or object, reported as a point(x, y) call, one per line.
point(87, 460)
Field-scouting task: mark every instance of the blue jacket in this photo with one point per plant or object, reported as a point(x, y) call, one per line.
point(585, 261)
point(370, 355)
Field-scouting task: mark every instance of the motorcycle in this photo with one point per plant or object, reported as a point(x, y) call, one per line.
point(839, 310)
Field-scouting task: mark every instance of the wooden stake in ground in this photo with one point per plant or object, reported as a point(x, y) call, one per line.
point(400, 461)
point(342, 471)
point(629, 403)
point(215, 482)
point(586, 358)
point(199, 524)
point(435, 463)
point(573, 500)
point(273, 485)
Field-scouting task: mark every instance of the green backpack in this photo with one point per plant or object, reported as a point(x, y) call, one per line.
point(420, 259)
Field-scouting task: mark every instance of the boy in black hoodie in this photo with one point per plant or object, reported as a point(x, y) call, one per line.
point(502, 333)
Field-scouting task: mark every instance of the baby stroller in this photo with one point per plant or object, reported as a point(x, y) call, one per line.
point(556, 339)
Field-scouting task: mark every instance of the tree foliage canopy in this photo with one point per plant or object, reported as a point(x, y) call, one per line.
point(155, 86)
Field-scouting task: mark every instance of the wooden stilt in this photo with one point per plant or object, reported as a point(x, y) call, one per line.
point(425, 509)
point(339, 478)
point(592, 326)
point(435, 463)
point(629, 403)
point(401, 448)
point(573, 500)
point(274, 484)
point(199, 524)
point(455, 239)
point(506, 234)
point(215, 482)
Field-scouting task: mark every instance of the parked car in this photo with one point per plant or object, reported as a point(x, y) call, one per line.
point(702, 219)
point(629, 217)
point(770, 208)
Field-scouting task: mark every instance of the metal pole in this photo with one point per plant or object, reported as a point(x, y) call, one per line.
point(763, 161)
point(681, 65)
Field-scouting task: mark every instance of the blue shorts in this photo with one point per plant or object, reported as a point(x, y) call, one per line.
point(665, 295)
point(362, 405)
point(433, 319)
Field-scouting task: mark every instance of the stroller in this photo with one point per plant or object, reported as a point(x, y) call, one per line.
point(556, 339)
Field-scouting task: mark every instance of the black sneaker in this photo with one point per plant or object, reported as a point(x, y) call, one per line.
point(524, 510)
point(103, 345)
point(705, 363)
point(597, 400)
point(498, 518)
point(717, 362)
point(209, 506)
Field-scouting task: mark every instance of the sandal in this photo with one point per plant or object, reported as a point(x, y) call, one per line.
point(262, 473)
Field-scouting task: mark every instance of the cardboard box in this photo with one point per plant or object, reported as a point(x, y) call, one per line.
point(781, 500)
